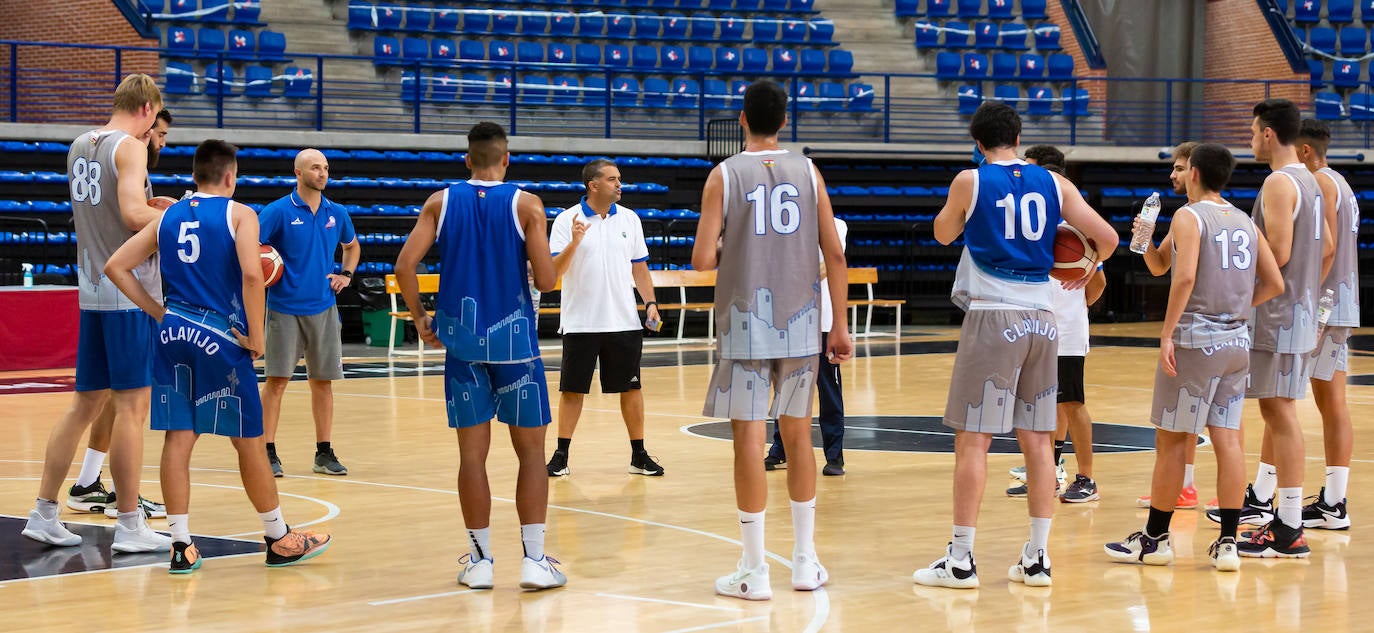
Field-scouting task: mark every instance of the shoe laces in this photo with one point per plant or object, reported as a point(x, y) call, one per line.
point(469, 559)
point(296, 540)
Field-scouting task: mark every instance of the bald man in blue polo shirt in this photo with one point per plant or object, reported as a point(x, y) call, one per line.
point(302, 319)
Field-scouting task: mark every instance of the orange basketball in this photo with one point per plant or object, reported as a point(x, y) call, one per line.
point(161, 202)
point(1073, 254)
point(272, 265)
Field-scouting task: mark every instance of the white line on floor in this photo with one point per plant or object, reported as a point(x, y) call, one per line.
point(424, 597)
point(672, 602)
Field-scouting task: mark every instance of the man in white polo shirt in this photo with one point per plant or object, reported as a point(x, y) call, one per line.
point(599, 253)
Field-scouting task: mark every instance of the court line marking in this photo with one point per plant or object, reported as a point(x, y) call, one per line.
point(707, 627)
point(379, 603)
point(672, 602)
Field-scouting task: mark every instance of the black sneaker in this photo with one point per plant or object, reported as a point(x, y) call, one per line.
point(1082, 490)
point(326, 463)
point(276, 465)
point(642, 464)
point(558, 464)
point(1253, 512)
point(93, 498)
point(1320, 516)
point(833, 469)
point(774, 463)
point(1018, 491)
point(185, 558)
point(1275, 540)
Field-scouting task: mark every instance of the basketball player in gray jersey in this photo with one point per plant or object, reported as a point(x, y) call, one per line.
point(107, 170)
point(1222, 266)
point(1328, 361)
point(763, 213)
point(1283, 330)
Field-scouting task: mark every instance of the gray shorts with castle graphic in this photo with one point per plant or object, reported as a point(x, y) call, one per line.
point(1006, 372)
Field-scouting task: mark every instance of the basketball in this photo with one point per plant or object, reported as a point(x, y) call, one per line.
point(272, 266)
point(161, 202)
point(1073, 255)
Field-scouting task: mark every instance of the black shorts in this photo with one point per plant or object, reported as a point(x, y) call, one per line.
point(1071, 379)
point(619, 353)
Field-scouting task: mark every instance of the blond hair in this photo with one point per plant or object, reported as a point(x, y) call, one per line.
point(135, 91)
point(1184, 151)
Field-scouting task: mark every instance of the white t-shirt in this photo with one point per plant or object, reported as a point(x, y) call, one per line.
point(599, 287)
point(1071, 316)
point(827, 318)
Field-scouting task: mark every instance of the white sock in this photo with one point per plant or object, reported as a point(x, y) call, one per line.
point(130, 520)
point(1039, 535)
point(1266, 480)
point(804, 527)
point(751, 533)
point(180, 527)
point(1188, 476)
point(961, 546)
point(480, 540)
point(46, 509)
point(1290, 506)
point(1337, 479)
point(532, 535)
point(272, 523)
point(90, 468)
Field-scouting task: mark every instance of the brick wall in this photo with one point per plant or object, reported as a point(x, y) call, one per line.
point(1240, 45)
point(1097, 90)
point(63, 84)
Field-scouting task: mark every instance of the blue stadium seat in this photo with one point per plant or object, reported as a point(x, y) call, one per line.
point(257, 82)
point(999, 9)
point(246, 13)
point(299, 83)
point(1323, 39)
point(927, 35)
point(939, 8)
point(181, 80)
point(1345, 74)
point(242, 44)
point(617, 55)
point(1328, 106)
point(386, 50)
point(830, 96)
point(1040, 101)
point(967, 9)
point(794, 31)
point(727, 59)
point(505, 24)
point(1003, 66)
point(471, 50)
point(417, 21)
point(975, 66)
point(1014, 37)
point(590, 26)
point(732, 30)
point(1033, 10)
point(702, 30)
point(1307, 11)
point(474, 88)
point(774, 6)
point(686, 94)
point(1060, 67)
point(619, 26)
point(957, 35)
point(564, 91)
point(784, 60)
point(765, 31)
point(272, 47)
point(970, 97)
point(414, 49)
point(181, 42)
point(594, 92)
point(217, 11)
point(477, 23)
point(1008, 94)
point(412, 87)
point(1366, 14)
point(985, 35)
point(443, 51)
point(1047, 38)
point(504, 88)
point(700, 58)
point(443, 88)
point(1316, 69)
point(1354, 41)
point(360, 15)
point(588, 54)
point(219, 79)
point(624, 92)
point(1032, 66)
point(755, 60)
point(675, 26)
point(446, 20)
point(534, 90)
point(820, 32)
point(1361, 108)
point(648, 26)
point(562, 25)
point(737, 88)
point(801, 6)
point(529, 52)
point(907, 8)
point(717, 95)
point(560, 53)
point(804, 96)
point(720, 5)
point(1076, 104)
point(209, 43)
point(947, 65)
point(672, 58)
point(644, 57)
point(500, 51)
point(534, 25)
point(812, 61)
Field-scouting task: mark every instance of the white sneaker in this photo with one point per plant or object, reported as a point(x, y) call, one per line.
point(143, 539)
point(1224, 555)
point(1019, 472)
point(151, 509)
point(50, 531)
point(807, 572)
point(475, 574)
point(749, 584)
point(1034, 572)
point(949, 572)
point(538, 574)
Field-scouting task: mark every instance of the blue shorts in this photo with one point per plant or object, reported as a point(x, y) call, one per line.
point(114, 350)
point(202, 380)
point(513, 393)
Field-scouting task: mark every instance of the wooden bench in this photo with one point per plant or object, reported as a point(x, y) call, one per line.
point(682, 280)
point(429, 284)
point(868, 277)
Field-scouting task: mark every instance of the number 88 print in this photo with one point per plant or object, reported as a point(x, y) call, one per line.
point(85, 181)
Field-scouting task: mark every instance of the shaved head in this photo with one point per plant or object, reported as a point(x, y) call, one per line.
point(312, 170)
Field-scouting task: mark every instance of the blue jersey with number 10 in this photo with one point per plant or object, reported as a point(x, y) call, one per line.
point(199, 262)
point(1010, 233)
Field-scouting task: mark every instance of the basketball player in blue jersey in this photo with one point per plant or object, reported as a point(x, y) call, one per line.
point(489, 233)
point(1005, 373)
point(203, 368)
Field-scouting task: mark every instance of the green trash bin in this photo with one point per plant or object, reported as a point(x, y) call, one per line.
point(377, 324)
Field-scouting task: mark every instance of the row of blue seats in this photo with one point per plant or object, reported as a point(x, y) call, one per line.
point(673, 26)
point(345, 182)
point(1354, 40)
point(1330, 107)
point(985, 36)
point(245, 12)
point(419, 16)
point(1003, 67)
point(1337, 11)
point(439, 52)
point(966, 9)
point(37, 237)
point(258, 81)
point(1039, 101)
point(1141, 193)
point(210, 43)
point(656, 93)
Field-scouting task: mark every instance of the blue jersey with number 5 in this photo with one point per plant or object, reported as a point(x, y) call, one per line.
point(200, 265)
point(1010, 232)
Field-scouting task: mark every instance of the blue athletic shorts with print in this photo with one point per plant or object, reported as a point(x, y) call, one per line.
point(202, 380)
point(514, 393)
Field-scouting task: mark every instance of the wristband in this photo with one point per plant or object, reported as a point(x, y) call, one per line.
point(346, 273)
point(650, 303)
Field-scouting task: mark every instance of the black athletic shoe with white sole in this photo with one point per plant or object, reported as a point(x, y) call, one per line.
point(642, 464)
point(1319, 516)
point(1254, 512)
point(558, 464)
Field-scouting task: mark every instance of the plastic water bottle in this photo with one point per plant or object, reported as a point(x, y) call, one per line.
point(1324, 306)
point(28, 275)
point(1140, 237)
point(534, 294)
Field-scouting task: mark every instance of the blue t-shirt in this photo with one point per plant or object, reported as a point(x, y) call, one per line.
point(1010, 233)
point(483, 312)
point(307, 242)
point(200, 265)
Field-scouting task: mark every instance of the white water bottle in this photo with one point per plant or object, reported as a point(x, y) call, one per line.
point(1324, 306)
point(1144, 232)
point(28, 275)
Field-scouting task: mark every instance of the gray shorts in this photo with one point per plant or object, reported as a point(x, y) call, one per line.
point(1209, 389)
point(316, 337)
point(1331, 353)
point(1277, 375)
point(740, 389)
point(1006, 372)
